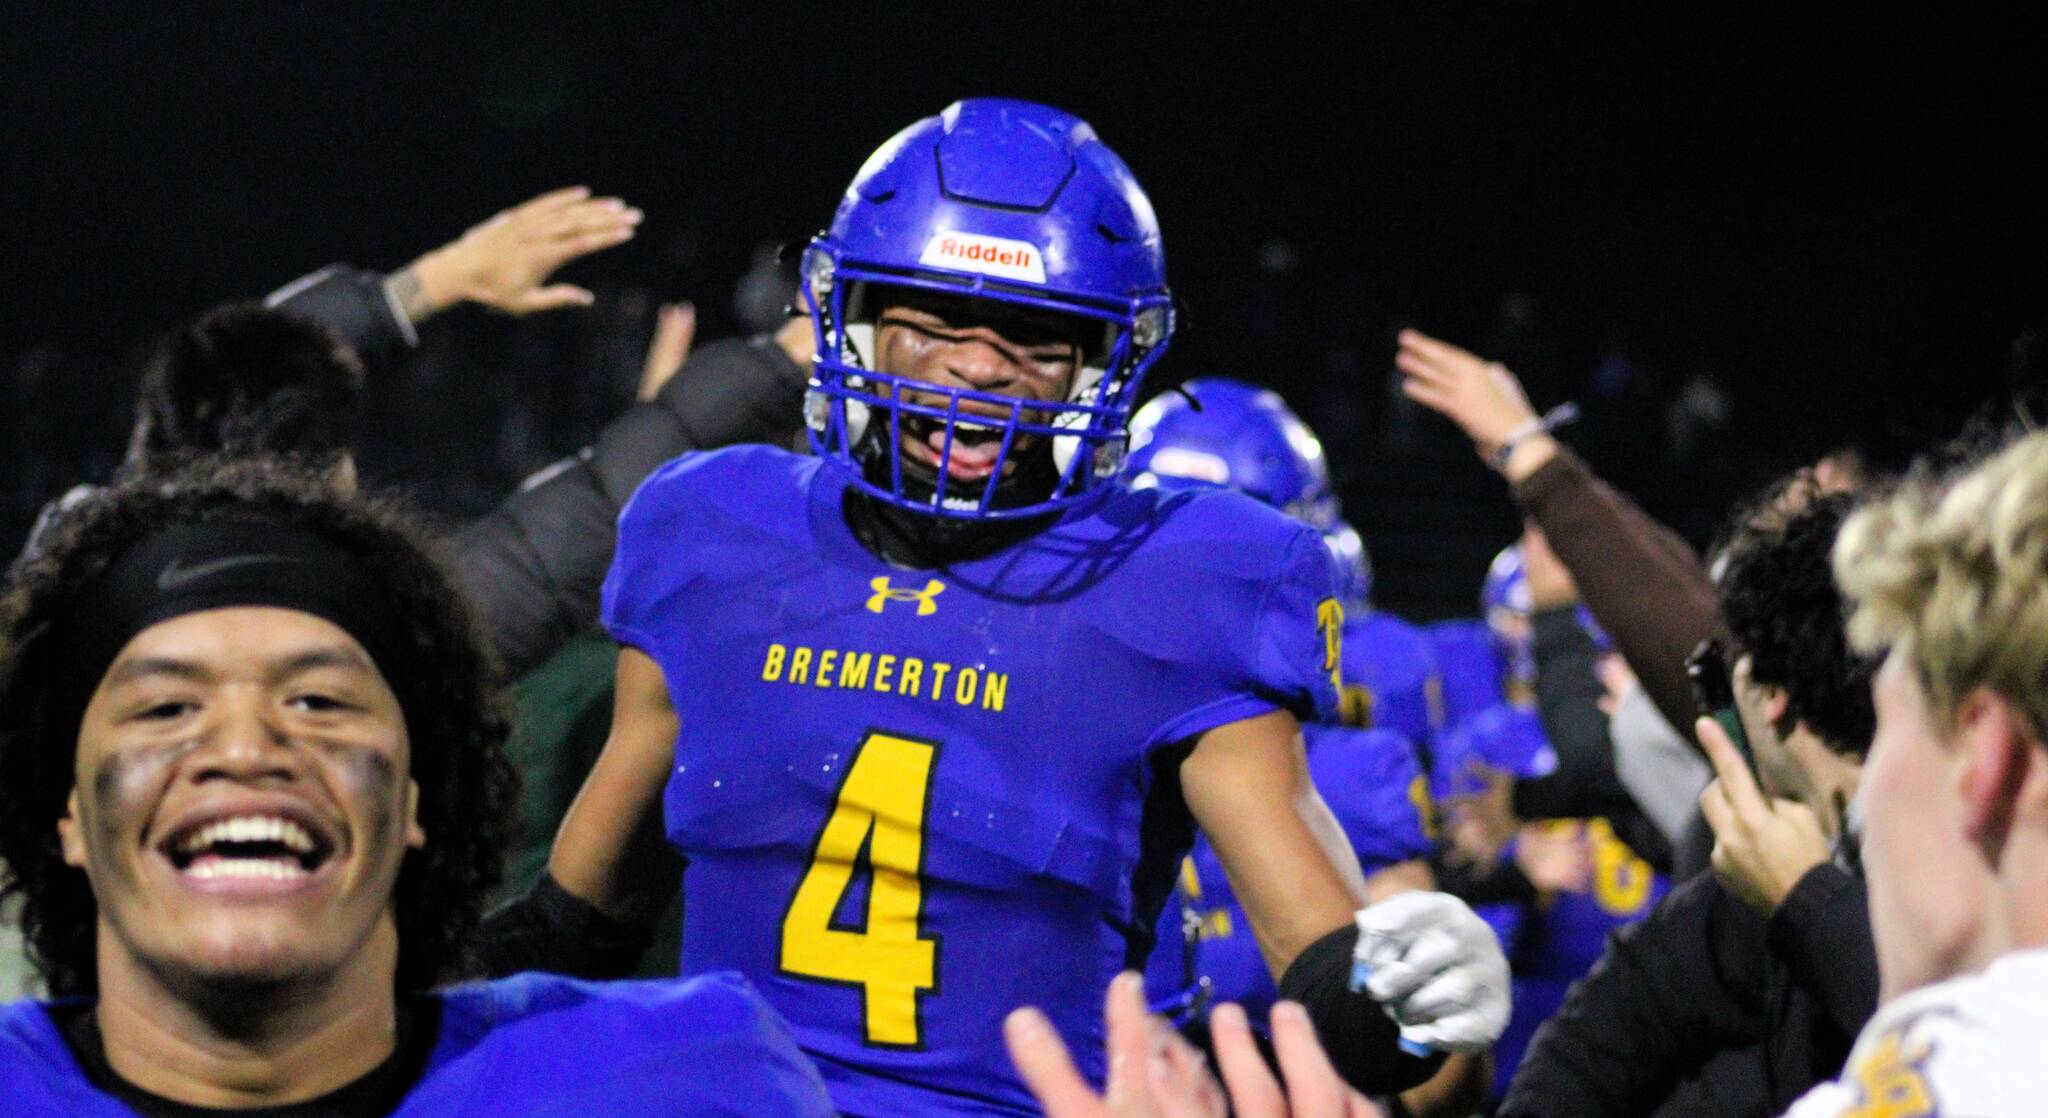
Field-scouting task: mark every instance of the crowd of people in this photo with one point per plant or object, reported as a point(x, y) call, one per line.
point(886, 714)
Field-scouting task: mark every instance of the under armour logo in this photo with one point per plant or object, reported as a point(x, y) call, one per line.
point(926, 599)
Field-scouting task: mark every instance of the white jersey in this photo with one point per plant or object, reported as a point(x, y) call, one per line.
point(1971, 1047)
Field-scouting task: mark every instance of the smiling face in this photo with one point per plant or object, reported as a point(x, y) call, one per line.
point(243, 800)
point(984, 346)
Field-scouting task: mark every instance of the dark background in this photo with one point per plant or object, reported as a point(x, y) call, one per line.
point(1737, 235)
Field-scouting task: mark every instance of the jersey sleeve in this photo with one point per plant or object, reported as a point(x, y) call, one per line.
point(1301, 634)
point(1940, 1051)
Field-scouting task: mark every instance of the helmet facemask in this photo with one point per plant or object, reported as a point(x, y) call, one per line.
point(1049, 453)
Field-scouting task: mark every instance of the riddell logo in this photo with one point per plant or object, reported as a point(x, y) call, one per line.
point(991, 256)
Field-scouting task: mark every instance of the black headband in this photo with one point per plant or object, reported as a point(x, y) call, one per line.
point(190, 568)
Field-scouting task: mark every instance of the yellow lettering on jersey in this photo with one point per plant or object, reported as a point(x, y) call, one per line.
point(844, 669)
point(1425, 808)
point(881, 806)
point(1355, 705)
point(1190, 881)
point(1621, 880)
point(1893, 1082)
point(853, 670)
point(1330, 620)
point(926, 599)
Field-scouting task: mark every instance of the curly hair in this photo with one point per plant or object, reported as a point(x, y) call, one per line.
point(1952, 570)
point(245, 379)
point(1778, 595)
point(446, 682)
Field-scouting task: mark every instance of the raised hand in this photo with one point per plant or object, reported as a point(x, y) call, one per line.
point(504, 262)
point(1153, 1073)
point(1481, 397)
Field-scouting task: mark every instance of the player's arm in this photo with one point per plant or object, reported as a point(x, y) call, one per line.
point(611, 872)
point(1247, 784)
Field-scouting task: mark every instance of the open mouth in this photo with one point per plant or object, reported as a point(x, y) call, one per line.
point(247, 847)
point(977, 443)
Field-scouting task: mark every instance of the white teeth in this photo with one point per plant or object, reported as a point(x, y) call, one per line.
point(272, 869)
point(249, 828)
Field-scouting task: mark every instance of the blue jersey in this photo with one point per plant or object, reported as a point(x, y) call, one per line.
point(1390, 671)
point(912, 801)
point(1469, 666)
point(534, 1046)
point(1552, 944)
point(1375, 788)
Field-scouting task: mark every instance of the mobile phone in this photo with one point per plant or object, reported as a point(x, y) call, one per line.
point(1713, 688)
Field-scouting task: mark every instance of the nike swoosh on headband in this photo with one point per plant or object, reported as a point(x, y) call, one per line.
point(174, 576)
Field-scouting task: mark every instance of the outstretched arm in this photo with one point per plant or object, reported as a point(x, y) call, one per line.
point(1642, 582)
point(502, 263)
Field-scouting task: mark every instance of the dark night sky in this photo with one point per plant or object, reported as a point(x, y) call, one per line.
point(1832, 212)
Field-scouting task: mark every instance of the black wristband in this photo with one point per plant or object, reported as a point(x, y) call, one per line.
point(1363, 1042)
point(551, 929)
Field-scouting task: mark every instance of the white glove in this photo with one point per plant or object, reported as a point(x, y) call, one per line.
point(1436, 968)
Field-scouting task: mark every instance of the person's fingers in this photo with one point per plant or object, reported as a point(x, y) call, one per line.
point(591, 217)
point(1393, 981)
point(551, 298)
point(1131, 1041)
point(1181, 1084)
point(1433, 350)
point(1440, 997)
point(1418, 367)
point(1429, 396)
point(1253, 1093)
point(553, 200)
point(1314, 1089)
point(674, 331)
point(1737, 782)
point(1048, 1071)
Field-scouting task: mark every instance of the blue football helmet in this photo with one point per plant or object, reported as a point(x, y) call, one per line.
point(994, 199)
point(1505, 604)
point(1245, 437)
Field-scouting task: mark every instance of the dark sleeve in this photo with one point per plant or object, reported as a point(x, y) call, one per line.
point(1641, 581)
point(353, 303)
point(534, 567)
point(1362, 1041)
point(1685, 982)
point(1821, 932)
point(1568, 699)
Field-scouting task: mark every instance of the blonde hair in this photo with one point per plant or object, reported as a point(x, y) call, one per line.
point(1955, 576)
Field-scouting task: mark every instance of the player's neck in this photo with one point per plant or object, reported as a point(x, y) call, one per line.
point(269, 1046)
point(920, 541)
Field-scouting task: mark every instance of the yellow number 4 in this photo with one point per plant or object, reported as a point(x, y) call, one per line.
point(881, 804)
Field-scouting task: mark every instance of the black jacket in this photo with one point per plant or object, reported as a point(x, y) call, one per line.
point(1706, 1008)
point(533, 567)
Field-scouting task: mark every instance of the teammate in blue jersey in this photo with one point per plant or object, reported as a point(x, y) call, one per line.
point(932, 716)
point(1216, 431)
point(252, 796)
point(1557, 934)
